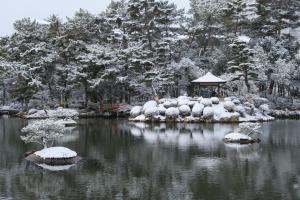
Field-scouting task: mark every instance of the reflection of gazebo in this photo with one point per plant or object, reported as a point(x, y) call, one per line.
point(209, 80)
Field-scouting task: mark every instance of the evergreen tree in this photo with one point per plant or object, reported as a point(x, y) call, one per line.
point(242, 63)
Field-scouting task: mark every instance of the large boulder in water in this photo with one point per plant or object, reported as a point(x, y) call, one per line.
point(238, 138)
point(54, 156)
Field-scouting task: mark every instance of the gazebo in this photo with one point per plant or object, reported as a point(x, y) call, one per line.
point(209, 80)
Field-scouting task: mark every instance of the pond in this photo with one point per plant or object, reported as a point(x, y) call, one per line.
point(124, 160)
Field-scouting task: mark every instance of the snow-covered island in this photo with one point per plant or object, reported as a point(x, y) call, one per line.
point(198, 109)
point(44, 132)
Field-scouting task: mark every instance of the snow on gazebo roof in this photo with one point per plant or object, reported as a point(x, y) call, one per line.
point(209, 79)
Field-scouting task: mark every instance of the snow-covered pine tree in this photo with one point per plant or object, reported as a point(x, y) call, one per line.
point(242, 63)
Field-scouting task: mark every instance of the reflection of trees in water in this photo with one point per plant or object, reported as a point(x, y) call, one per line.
point(122, 164)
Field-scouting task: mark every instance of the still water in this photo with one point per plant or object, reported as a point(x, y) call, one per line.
point(123, 160)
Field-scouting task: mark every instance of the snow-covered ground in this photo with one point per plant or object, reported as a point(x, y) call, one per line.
point(56, 153)
point(58, 113)
point(198, 109)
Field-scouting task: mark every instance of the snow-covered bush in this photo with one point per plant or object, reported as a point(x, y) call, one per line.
point(32, 111)
point(240, 109)
point(161, 109)
point(208, 112)
point(215, 100)
point(197, 109)
point(135, 111)
point(185, 110)
point(162, 101)
point(236, 101)
point(260, 101)
point(227, 99)
point(183, 100)
point(167, 104)
point(174, 103)
point(150, 105)
point(229, 105)
point(170, 103)
point(38, 114)
point(249, 128)
point(151, 111)
point(172, 113)
point(42, 131)
point(192, 103)
point(264, 108)
point(206, 102)
point(249, 108)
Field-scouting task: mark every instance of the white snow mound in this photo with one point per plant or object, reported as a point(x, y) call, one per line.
point(55, 153)
point(197, 109)
point(135, 111)
point(236, 137)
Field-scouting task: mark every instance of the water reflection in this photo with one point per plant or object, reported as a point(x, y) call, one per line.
point(140, 161)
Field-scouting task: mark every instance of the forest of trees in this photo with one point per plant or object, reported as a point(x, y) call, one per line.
point(137, 45)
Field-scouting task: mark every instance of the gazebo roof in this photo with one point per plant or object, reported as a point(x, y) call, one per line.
point(209, 79)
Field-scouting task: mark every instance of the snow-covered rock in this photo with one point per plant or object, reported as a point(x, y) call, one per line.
point(197, 109)
point(215, 100)
point(140, 118)
point(229, 105)
point(222, 115)
point(228, 117)
point(237, 138)
point(184, 110)
point(227, 99)
point(67, 122)
point(32, 111)
point(135, 111)
point(172, 113)
point(208, 112)
point(161, 109)
point(149, 105)
point(56, 153)
point(260, 101)
point(206, 102)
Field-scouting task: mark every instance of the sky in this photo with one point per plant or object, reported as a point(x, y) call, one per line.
point(11, 10)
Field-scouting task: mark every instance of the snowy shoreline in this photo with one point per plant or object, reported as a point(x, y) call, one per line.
point(198, 109)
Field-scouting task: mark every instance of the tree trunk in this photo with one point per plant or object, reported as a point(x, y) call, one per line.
point(247, 81)
point(44, 143)
point(85, 94)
